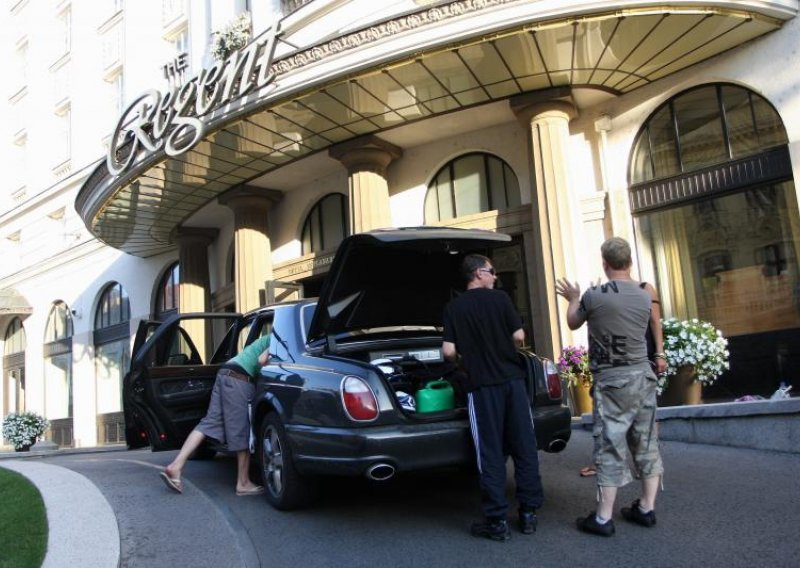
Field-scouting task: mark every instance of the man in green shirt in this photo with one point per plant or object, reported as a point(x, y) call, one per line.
point(227, 419)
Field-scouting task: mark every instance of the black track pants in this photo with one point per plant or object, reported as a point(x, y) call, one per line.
point(502, 424)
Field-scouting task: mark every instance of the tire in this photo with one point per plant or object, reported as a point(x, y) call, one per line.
point(284, 487)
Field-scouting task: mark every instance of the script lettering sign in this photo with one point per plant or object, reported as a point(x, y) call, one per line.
point(174, 120)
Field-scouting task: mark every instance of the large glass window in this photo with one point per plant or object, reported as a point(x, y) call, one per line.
point(168, 293)
point(113, 307)
point(112, 359)
point(472, 183)
point(58, 374)
point(728, 254)
point(14, 368)
point(702, 127)
point(326, 224)
point(15, 338)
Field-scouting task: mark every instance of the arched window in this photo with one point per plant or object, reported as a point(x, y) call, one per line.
point(59, 323)
point(113, 307)
point(717, 227)
point(15, 338)
point(326, 224)
point(168, 293)
point(112, 359)
point(469, 184)
point(703, 127)
point(14, 368)
point(58, 374)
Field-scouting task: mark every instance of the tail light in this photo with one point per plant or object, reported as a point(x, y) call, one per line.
point(358, 399)
point(553, 380)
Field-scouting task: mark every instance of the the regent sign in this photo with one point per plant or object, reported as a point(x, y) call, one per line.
point(174, 120)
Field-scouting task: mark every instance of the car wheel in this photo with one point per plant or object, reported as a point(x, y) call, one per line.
point(284, 487)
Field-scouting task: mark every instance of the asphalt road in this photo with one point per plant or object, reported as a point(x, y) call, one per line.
point(720, 507)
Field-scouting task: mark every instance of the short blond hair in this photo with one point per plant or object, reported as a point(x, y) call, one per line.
point(617, 253)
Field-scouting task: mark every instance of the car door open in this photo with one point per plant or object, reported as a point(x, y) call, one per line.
point(167, 390)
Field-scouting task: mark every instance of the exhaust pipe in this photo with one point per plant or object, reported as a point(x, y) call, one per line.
point(380, 472)
point(556, 445)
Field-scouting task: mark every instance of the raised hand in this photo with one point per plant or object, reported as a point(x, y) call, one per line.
point(570, 291)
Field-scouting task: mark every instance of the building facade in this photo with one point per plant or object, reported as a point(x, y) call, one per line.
point(153, 166)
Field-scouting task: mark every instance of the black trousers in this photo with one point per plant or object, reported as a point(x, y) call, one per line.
point(502, 424)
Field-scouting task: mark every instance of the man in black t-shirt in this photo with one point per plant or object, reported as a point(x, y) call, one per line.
point(482, 326)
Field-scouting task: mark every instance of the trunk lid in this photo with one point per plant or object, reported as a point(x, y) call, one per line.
point(395, 277)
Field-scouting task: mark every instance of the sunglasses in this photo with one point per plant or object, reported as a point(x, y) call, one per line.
point(489, 270)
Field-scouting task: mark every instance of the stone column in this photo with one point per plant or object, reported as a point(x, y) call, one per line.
point(546, 115)
point(252, 249)
point(194, 284)
point(366, 159)
point(195, 292)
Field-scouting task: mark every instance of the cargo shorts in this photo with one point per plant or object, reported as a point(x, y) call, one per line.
point(625, 420)
point(228, 418)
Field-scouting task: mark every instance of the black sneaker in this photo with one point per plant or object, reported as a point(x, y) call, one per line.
point(494, 529)
point(589, 524)
point(635, 515)
point(527, 521)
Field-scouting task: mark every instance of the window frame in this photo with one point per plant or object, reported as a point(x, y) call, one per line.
point(486, 191)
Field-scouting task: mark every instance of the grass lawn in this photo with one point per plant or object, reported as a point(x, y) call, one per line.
point(23, 522)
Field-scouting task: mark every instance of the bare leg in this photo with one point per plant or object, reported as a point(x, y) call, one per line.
point(192, 442)
point(649, 491)
point(243, 482)
point(605, 508)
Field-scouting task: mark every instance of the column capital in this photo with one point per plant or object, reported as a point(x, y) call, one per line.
point(249, 196)
point(366, 153)
point(194, 235)
point(556, 102)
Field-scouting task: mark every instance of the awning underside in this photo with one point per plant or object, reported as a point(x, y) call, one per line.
point(617, 53)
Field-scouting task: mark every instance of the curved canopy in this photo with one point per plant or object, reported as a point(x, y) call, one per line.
point(370, 81)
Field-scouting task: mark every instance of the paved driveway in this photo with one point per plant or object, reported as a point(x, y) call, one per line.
point(720, 507)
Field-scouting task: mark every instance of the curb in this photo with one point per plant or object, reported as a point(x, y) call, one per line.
point(82, 526)
point(46, 451)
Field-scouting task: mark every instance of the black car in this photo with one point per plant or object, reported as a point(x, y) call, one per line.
point(328, 402)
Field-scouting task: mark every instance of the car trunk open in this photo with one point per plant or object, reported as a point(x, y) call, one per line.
point(396, 277)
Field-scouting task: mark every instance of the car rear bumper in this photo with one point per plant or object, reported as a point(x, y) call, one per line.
point(353, 451)
point(407, 447)
point(553, 425)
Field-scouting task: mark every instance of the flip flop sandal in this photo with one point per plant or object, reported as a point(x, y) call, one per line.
point(172, 482)
point(257, 490)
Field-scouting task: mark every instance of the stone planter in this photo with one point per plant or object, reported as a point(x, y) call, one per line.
point(682, 389)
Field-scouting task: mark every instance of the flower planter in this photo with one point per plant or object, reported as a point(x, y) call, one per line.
point(581, 398)
point(25, 447)
point(682, 389)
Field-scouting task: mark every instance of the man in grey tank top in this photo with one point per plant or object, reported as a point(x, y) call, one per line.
point(619, 313)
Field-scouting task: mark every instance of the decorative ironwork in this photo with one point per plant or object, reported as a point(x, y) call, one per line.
point(768, 167)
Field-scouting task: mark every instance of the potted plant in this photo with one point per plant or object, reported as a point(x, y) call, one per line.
point(232, 37)
point(22, 430)
point(573, 367)
point(696, 353)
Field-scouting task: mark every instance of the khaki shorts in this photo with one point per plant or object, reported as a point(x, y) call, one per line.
point(625, 419)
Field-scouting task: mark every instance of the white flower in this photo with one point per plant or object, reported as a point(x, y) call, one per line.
point(694, 342)
point(22, 429)
point(232, 37)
